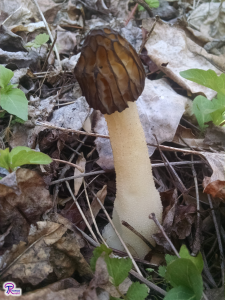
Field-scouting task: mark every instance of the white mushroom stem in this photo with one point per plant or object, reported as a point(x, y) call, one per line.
point(136, 195)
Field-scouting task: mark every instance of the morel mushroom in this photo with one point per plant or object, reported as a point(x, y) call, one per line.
point(112, 77)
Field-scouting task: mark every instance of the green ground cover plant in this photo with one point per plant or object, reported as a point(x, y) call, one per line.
point(20, 156)
point(204, 109)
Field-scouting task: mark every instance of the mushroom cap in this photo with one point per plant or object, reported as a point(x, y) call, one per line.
point(109, 71)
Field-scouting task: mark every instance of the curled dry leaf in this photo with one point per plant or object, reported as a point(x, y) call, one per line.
point(51, 249)
point(172, 51)
point(81, 162)
point(23, 199)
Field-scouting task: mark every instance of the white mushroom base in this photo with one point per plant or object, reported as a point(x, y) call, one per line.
point(136, 195)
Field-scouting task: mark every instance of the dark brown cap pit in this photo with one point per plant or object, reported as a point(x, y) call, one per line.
point(109, 71)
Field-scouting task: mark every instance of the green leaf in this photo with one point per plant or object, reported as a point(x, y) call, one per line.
point(20, 156)
point(118, 269)
point(162, 271)
point(2, 114)
point(202, 108)
point(17, 120)
point(14, 102)
point(5, 76)
point(170, 258)
point(4, 158)
point(180, 293)
point(184, 272)
point(137, 291)
point(151, 4)
point(197, 260)
point(97, 253)
point(41, 39)
point(207, 78)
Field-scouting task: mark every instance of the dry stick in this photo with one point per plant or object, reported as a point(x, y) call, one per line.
point(66, 168)
point(197, 240)
point(131, 228)
point(28, 248)
point(102, 172)
point(218, 238)
point(117, 233)
point(49, 52)
point(153, 217)
point(92, 216)
point(148, 35)
point(207, 272)
point(71, 130)
point(131, 14)
point(81, 212)
point(148, 283)
point(49, 33)
point(69, 163)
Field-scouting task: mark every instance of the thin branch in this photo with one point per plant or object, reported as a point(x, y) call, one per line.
point(69, 163)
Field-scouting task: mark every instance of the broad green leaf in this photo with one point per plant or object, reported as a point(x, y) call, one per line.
point(184, 272)
point(197, 260)
point(5, 76)
point(118, 269)
point(97, 253)
point(151, 3)
point(24, 156)
point(162, 271)
point(202, 107)
point(207, 78)
point(14, 102)
point(137, 291)
point(180, 293)
point(170, 258)
point(41, 39)
point(4, 158)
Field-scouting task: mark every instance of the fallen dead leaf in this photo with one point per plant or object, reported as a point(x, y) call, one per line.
point(23, 199)
point(51, 249)
point(172, 51)
point(81, 162)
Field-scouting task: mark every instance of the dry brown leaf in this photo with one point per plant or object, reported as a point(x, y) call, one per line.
point(23, 199)
point(214, 185)
point(51, 249)
point(172, 51)
point(95, 206)
point(81, 162)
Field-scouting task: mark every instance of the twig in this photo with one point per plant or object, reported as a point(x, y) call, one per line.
point(102, 171)
point(197, 242)
point(131, 228)
point(207, 272)
point(218, 238)
point(77, 176)
point(117, 233)
point(49, 52)
point(11, 15)
point(81, 212)
point(92, 216)
point(69, 163)
point(49, 33)
point(46, 124)
point(148, 283)
point(153, 217)
point(131, 14)
point(148, 35)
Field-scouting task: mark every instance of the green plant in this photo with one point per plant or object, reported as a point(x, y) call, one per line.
point(22, 156)
point(40, 39)
point(118, 269)
point(151, 3)
point(12, 100)
point(204, 109)
point(184, 275)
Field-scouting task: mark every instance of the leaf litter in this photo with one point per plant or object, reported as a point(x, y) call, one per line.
point(45, 245)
